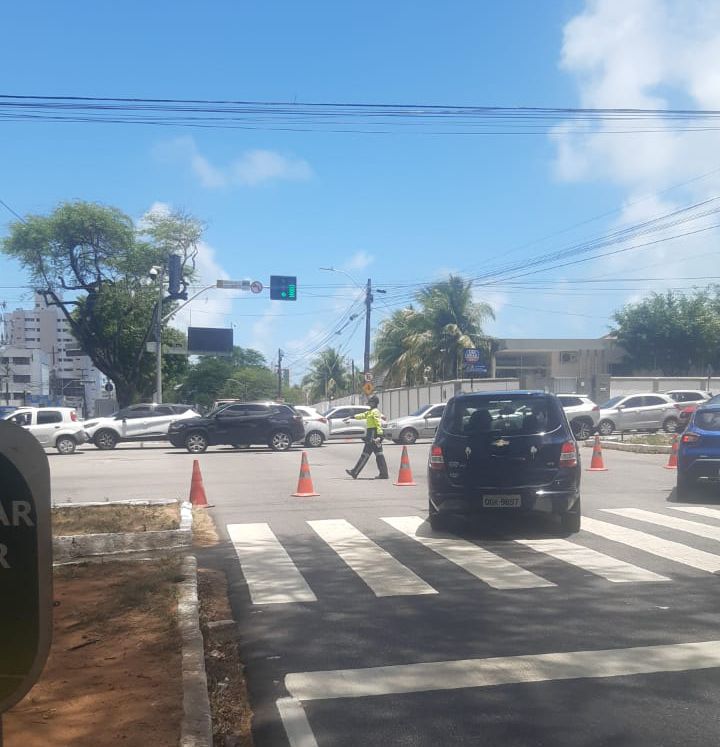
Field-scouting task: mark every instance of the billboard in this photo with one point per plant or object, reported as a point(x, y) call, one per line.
point(474, 361)
point(210, 340)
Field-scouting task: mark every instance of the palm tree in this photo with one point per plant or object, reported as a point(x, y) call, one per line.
point(328, 376)
point(410, 342)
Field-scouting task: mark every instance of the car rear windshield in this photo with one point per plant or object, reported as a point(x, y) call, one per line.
point(511, 414)
point(708, 420)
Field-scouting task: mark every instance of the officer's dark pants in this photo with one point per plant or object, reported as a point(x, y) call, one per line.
point(373, 445)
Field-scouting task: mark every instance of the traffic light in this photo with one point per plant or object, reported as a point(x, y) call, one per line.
point(175, 274)
point(283, 288)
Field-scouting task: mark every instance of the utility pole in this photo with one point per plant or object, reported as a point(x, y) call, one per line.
point(279, 390)
point(158, 336)
point(352, 368)
point(368, 306)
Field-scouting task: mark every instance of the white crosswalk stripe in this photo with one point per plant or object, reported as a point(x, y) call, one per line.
point(483, 564)
point(712, 513)
point(672, 522)
point(591, 560)
point(271, 576)
point(386, 576)
point(675, 551)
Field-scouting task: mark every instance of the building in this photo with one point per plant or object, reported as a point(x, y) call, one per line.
point(71, 376)
point(557, 365)
point(24, 376)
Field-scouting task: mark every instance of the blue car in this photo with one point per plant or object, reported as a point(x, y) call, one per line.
point(699, 450)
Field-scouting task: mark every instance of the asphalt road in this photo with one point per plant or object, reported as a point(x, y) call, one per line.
point(360, 626)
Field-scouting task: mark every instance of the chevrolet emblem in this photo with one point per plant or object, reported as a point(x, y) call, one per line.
point(501, 442)
point(468, 451)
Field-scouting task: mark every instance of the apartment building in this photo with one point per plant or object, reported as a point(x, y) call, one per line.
point(45, 337)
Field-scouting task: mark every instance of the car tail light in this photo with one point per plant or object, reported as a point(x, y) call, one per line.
point(437, 460)
point(323, 420)
point(568, 454)
point(596, 408)
point(73, 416)
point(690, 438)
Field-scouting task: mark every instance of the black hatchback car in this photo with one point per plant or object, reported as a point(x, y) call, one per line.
point(504, 452)
point(240, 425)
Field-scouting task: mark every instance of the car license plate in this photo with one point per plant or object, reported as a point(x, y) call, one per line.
point(502, 501)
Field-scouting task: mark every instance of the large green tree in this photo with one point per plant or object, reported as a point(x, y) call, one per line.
point(425, 343)
point(328, 376)
point(243, 375)
point(670, 333)
point(92, 262)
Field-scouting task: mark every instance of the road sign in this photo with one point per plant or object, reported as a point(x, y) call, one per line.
point(231, 284)
point(256, 286)
point(25, 562)
point(368, 388)
point(368, 376)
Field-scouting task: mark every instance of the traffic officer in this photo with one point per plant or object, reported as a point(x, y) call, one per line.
point(373, 441)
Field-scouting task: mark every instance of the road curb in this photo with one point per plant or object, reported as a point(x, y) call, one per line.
point(76, 546)
point(196, 727)
point(636, 448)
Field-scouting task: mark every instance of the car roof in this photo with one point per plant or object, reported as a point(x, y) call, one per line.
point(714, 407)
point(503, 392)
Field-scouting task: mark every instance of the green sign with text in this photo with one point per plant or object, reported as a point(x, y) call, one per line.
point(25, 562)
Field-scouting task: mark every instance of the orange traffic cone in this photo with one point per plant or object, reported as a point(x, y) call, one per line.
point(197, 490)
point(305, 487)
point(596, 463)
point(672, 459)
point(405, 476)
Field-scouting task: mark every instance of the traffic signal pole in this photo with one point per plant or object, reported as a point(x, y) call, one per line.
point(279, 390)
point(158, 336)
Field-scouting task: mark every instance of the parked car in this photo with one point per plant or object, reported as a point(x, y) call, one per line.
point(582, 414)
point(689, 395)
point(241, 425)
point(639, 412)
point(317, 430)
point(142, 422)
point(54, 427)
point(420, 424)
point(689, 399)
point(340, 429)
point(504, 452)
point(699, 450)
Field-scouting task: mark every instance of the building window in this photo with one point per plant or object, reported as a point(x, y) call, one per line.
point(21, 378)
point(21, 361)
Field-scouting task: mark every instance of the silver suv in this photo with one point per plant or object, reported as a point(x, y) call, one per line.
point(582, 414)
point(639, 412)
point(54, 427)
point(420, 424)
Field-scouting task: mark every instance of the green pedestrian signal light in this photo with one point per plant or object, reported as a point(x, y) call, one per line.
point(283, 288)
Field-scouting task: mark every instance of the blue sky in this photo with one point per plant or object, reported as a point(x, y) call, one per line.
point(401, 208)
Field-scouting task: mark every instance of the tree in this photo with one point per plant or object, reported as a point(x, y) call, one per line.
point(92, 262)
point(243, 375)
point(414, 345)
point(671, 334)
point(328, 376)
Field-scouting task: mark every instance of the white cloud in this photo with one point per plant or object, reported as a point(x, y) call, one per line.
point(250, 169)
point(644, 54)
point(359, 261)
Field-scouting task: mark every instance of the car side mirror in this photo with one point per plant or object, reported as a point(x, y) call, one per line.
point(620, 407)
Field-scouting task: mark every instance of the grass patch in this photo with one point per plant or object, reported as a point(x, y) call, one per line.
point(113, 518)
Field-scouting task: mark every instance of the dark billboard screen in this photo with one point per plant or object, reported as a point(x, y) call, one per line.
point(210, 340)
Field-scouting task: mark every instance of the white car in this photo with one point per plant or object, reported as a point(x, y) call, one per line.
point(144, 422)
point(689, 396)
point(317, 429)
point(339, 428)
point(54, 427)
point(582, 414)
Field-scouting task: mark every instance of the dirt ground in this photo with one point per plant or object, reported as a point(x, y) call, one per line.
point(102, 519)
point(231, 712)
point(114, 672)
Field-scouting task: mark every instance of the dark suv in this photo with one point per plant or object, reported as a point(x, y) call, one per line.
point(504, 453)
point(240, 425)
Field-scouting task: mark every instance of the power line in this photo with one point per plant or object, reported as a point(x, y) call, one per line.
point(9, 209)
